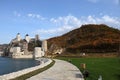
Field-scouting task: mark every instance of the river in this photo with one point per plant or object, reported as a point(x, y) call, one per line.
point(8, 65)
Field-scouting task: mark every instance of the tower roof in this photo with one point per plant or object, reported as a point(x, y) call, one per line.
point(26, 35)
point(18, 33)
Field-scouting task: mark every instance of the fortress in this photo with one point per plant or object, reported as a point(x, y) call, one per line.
point(26, 48)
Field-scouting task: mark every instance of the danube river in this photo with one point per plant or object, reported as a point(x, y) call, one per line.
point(8, 65)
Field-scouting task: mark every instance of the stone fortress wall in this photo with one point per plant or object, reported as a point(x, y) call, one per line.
point(18, 47)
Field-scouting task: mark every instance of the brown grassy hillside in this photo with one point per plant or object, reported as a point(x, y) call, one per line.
point(89, 38)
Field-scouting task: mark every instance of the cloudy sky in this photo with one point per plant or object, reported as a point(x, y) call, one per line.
point(50, 18)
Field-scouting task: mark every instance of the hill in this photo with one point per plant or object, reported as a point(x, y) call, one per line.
point(88, 38)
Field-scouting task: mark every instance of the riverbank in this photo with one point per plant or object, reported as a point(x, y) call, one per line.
point(43, 62)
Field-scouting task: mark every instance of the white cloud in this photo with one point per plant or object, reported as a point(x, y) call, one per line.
point(67, 20)
point(29, 15)
point(54, 31)
point(36, 16)
point(67, 23)
point(109, 19)
point(105, 19)
point(90, 19)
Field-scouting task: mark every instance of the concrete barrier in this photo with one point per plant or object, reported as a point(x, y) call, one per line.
point(43, 62)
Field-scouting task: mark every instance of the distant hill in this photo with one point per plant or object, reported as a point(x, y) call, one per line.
point(3, 46)
point(89, 38)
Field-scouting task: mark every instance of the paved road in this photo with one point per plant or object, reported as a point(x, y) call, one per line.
point(61, 70)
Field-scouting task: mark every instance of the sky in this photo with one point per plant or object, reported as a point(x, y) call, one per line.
point(50, 18)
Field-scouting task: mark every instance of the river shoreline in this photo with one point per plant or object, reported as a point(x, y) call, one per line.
point(43, 62)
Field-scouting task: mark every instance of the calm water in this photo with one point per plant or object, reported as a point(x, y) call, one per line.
point(8, 65)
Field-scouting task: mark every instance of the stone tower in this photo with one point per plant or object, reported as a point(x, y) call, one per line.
point(37, 37)
point(25, 47)
point(44, 45)
point(27, 38)
point(18, 38)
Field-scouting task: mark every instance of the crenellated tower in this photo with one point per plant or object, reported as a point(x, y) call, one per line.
point(44, 45)
point(18, 37)
point(27, 38)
